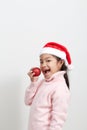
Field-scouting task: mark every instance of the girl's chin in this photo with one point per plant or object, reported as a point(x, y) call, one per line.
point(47, 76)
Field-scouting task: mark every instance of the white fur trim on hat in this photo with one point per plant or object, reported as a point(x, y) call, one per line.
point(55, 52)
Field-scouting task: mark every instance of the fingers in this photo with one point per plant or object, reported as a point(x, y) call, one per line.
point(31, 75)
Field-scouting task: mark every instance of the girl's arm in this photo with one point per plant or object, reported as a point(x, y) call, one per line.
point(32, 89)
point(31, 92)
point(60, 103)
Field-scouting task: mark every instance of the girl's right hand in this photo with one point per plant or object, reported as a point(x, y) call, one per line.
point(31, 75)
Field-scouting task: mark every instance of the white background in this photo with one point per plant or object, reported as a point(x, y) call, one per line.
point(25, 25)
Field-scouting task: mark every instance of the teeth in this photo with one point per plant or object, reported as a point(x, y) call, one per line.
point(46, 71)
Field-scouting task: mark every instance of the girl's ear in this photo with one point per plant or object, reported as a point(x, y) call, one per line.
point(62, 62)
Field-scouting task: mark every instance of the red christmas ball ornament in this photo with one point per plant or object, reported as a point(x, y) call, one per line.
point(37, 71)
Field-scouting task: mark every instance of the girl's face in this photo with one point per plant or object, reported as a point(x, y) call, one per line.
point(49, 65)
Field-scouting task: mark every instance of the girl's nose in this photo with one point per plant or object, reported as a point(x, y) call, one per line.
point(43, 65)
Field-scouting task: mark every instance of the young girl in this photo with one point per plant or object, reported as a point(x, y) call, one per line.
point(49, 98)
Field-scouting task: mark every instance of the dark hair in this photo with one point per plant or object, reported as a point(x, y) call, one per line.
point(64, 67)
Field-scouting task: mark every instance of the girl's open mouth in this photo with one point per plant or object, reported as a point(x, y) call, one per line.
point(46, 73)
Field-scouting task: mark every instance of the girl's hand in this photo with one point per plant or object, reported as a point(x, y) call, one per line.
point(32, 77)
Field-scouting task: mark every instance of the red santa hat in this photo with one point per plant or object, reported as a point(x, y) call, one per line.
point(59, 51)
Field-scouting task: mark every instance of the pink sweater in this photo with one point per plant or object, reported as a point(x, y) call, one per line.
point(49, 102)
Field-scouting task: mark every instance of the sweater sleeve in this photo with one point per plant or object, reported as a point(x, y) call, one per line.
point(60, 103)
point(30, 92)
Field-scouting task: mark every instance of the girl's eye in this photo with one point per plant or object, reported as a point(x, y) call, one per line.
point(48, 60)
point(41, 62)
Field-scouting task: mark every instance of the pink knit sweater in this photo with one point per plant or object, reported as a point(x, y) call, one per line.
point(49, 100)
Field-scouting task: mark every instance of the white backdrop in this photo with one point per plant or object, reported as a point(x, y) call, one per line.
point(25, 25)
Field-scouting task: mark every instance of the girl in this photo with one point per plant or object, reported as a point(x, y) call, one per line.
point(49, 98)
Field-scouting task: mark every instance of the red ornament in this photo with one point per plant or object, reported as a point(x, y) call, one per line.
point(37, 71)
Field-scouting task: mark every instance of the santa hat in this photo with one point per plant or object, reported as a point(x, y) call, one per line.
point(59, 51)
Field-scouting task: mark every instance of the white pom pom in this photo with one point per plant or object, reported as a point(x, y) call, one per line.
point(70, 67)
